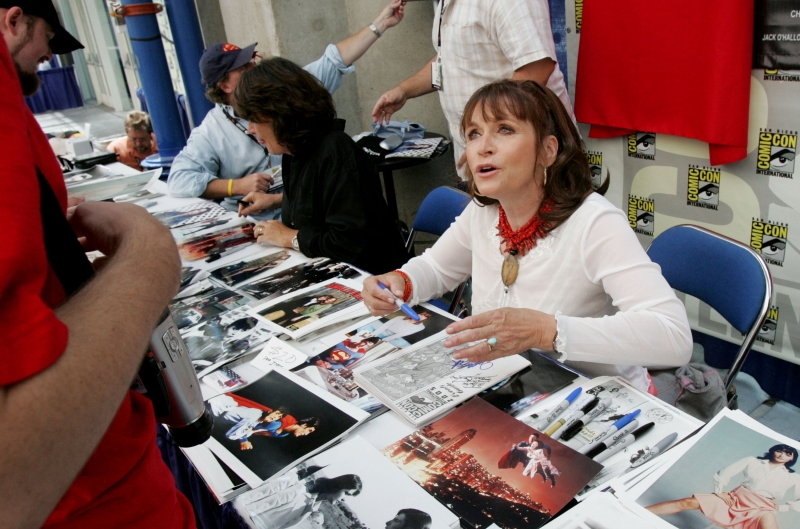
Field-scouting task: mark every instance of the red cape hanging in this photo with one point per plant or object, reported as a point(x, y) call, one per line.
point(680, 67)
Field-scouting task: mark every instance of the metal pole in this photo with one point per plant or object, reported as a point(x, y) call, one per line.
point(189, 46)
point(153, 69)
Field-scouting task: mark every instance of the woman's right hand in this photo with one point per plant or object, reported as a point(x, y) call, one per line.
point(724, 496)
point(378, 301)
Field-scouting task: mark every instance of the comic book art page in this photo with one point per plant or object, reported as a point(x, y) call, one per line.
point(490, 468)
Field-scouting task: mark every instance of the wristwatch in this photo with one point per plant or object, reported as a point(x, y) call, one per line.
point(295, 244)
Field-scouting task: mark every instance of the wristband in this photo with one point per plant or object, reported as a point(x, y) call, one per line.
point(230, 187)
point(375, 30)
point(407, 291)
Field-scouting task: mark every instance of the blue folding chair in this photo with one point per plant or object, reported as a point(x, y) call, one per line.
point(436, 213)
point(729, 276)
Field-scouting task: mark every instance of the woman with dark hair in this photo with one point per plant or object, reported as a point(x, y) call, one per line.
point(333, 205)
point(554, 265)
point(751, 505)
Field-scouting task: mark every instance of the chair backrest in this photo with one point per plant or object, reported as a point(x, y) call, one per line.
point(729, 276)
point(438, 211)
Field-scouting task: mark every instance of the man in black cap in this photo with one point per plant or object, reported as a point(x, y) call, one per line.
point(77, 446)
point(221, 159)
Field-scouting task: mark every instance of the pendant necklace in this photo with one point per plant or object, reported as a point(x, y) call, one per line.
point(520, 241)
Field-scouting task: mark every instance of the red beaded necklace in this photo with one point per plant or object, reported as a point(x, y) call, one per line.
point(525, 238)
point(522, 240)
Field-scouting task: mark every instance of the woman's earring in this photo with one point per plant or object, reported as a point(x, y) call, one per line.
point(545, 177)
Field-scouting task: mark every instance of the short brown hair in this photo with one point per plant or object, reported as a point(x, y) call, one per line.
point(215, 94)
point(136, 120)
point(569, 179)
point(291, 100)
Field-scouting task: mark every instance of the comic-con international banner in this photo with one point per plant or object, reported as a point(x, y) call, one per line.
point(660, 181)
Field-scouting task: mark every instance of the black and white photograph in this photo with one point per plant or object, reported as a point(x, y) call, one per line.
point(224, 338)
point(298, 277)
point(351, 485)
point(244, 270)
point(206, 306)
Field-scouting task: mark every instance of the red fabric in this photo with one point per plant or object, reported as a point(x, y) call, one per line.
point(680, 67)
point(125, 483)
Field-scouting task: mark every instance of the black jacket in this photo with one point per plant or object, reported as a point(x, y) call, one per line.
point(333, 196)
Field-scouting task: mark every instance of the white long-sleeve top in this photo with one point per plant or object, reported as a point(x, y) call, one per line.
point(615, 311)
point(764, 480)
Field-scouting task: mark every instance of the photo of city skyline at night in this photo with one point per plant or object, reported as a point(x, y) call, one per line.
point(488, 467)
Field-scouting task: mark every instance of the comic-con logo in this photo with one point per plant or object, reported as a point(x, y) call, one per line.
point(703, 188)
point(769, 239)
point(641, 214)
point(768, 329)
point(782, 75)
point(776, 152)
point(642, 145)
point(578, 15)
point(595, 160)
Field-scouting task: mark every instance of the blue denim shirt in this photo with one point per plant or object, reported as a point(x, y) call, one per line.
point(218, 149)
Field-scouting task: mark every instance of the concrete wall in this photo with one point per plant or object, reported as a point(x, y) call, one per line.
point(300, 29)
point(211, 22)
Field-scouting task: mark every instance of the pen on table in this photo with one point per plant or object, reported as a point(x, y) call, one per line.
point(574, 426)
point(610, 440)
point(659, 448)
point(623, 442)
point(563, 405)
point(399, 302)
point(614, 428)
point(556, 427)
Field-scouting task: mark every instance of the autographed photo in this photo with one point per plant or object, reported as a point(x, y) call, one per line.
point(274, 422)
point(223, 338)
point(733, 476)
point(298, 277)
point(190, 214)
point(491, 468)
point(204, 307)
point(244, 270)
point(295, 312)
point(216, 243)
point(351, 485)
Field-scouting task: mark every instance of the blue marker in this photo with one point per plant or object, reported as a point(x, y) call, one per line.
point(547, 421)
point(399, 302)
point(614, 428)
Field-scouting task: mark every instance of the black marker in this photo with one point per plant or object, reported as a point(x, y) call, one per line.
point(572, 429)
point(623, 442)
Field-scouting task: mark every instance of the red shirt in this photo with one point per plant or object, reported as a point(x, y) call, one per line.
point(125, 483)
point(680, 67)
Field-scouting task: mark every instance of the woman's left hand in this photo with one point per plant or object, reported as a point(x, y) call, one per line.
point(274, 232)
point(515, 330)
point(259, 202)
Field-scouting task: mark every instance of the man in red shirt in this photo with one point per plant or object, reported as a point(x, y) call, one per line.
point(139, 142)
point(77, 447)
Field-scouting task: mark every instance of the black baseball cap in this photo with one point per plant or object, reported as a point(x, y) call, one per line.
point(62, 42)
point(221, 58)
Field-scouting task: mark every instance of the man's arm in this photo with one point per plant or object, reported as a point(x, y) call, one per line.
point(60, 414)
point(393, 100)
point(538, 71)
point(354, 46)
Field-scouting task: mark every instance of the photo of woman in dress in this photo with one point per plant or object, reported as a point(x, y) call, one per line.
point(753, 503)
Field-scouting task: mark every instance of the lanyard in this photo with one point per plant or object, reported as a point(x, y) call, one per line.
point(244, 130)
point(441, 16)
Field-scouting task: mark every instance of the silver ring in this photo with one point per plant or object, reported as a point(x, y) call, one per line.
point(258, 231)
